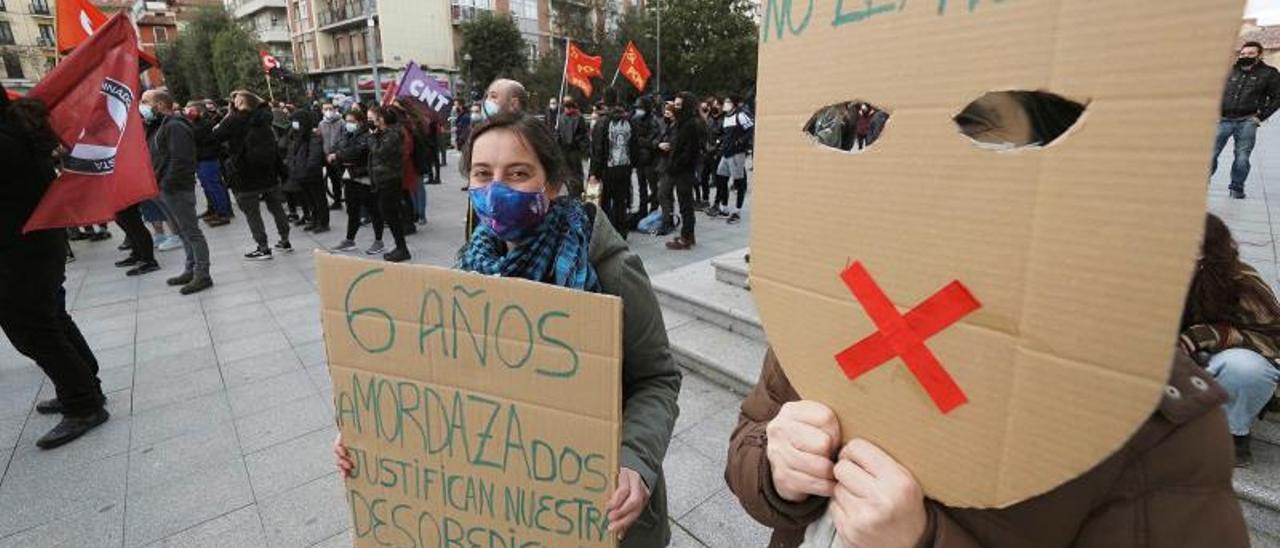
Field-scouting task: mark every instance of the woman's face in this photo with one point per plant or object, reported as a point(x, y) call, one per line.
point(374, 121)
point(500, 155)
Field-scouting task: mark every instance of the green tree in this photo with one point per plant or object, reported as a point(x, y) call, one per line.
point(212, 56)
point(708, 46)
point(496, 48)
point(236, 63)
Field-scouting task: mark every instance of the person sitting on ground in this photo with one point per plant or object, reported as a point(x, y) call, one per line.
point(530, 229)
point(1231, 324)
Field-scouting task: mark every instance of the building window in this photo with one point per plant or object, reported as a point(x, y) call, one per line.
point(6, 33)
point(161, 34)
point(40, 7)
point(3, 7)
point(12, 65)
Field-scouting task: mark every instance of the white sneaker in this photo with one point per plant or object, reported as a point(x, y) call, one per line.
point(168, 243)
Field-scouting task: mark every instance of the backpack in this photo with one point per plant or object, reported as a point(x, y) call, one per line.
point(259, 153)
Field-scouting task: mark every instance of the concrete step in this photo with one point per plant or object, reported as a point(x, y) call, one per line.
point(732, 268)
point(1258, 487)
point(694, 291)
point(728, 359)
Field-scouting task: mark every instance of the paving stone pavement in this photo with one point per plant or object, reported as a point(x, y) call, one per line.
point(221, 405)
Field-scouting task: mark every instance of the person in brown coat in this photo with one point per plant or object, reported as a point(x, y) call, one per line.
point(1169, 485)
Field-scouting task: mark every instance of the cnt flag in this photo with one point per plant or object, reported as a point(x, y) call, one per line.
point(92, 97)
point(269, 61)
point(580, 68)
point(77, 20)
point(632, 66)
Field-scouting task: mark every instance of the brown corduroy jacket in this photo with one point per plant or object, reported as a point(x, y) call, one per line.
point(1169, 485)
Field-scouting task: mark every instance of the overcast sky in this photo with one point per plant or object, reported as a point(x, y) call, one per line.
point(1267, 11)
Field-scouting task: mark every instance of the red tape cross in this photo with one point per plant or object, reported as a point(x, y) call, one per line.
point(904, 336)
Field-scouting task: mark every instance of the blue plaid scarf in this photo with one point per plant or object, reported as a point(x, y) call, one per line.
point(556, 253)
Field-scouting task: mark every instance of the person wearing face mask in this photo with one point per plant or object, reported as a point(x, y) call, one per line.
point(386, 173)
point(351, 155)
point(613, 146)
point(735, 140)
point(571, 135)
point(253, 168)
point(331, 125)
point(503, 95)
point(306, 168)
point(173, 157)
point(685, 145)
point(531, 230)
point(647, 131)
point(553, 113)
point(710, 158)
point(1251, 96)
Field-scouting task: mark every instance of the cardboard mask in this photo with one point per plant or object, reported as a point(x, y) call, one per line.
point(1046, 283)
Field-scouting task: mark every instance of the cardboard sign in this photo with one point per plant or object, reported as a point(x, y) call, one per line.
point(1004, 320)
point(478, 411)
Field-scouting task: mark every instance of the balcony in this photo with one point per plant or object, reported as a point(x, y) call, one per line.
point(245, 8)
point(273, 35)
point(346, 59)
point(40, 8)
point(44, 41)
point(340, 13)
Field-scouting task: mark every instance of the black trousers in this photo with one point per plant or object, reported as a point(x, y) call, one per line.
point(141, 246)
point(391, 202)
point(313, 192)
point(648, 180)
point(615, 195)
point(684, 183)
point(33, 314)
point(334, 174)
point(360, 199)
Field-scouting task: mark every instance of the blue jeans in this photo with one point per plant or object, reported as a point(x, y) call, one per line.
point(210, 175)
point(1250, 381)
point(1245, 132)
point(420, 200)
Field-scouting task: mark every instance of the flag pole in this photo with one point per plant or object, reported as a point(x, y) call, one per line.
point(564, 76)
point(270, 94)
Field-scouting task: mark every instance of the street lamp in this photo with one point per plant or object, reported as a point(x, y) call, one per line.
point(466, 58)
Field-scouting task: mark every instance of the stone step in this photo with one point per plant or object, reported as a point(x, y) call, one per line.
point(732, 268)
point(1267, 430)
point(1258, 487)
point(694, 291)
point(728, 359)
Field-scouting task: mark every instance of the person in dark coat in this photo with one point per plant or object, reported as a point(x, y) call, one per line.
point(571, 135)
point(648, 129)
point(33, 311)
point(1251, 95)
point(306, 168)
point(173, 157)
point(684, 148)
point(386, 172)
point(613, 146)
point(208, 166)
point(351, 155)
point(253, 169)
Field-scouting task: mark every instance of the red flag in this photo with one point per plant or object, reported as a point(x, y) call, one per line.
point(93, 107)
point(633, 67)
point(580, 68)
point(77, 21)
point(268, 61)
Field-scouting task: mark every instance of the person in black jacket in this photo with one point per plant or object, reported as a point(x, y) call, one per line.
point(613, 146)
point(208, 169)
point(306, 168)
point(351, 156)
point(736, 131)
point(645, 121)
point(173, 157)
point(684, 149)
point(1251, 96)
point(386, 172)
point(252, 169)
point(570, 131)
point(33, 311)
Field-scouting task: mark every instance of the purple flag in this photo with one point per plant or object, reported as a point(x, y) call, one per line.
point(416, 83)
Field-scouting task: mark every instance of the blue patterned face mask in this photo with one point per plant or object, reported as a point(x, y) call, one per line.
point(512, 214)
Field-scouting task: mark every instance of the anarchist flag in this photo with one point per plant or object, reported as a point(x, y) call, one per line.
point(633, 67)
point(580, 68)
point(92, 97)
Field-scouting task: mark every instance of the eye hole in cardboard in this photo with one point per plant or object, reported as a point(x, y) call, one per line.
point(851, 126)
point(1016, 119)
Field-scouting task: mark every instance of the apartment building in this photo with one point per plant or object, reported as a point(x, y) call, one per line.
point(26, 42)
point(270, 20)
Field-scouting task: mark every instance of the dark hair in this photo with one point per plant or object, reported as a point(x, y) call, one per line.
point(1253, 44)
point(415, 112)
point(1051, 115)
point(532, 133)
point(1218, 288)
point(388, 114)
point(31, 116)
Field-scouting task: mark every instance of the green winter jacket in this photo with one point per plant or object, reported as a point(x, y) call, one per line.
point(650, 379)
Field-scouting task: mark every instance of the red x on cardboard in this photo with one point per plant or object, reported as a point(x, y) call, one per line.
point(904, 336)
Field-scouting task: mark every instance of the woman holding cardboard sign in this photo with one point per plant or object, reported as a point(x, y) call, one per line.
point(528, 229)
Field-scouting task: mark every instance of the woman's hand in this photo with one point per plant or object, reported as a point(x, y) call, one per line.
point(801, 440)
point(627, 502)
point(344, 461)
point(877, 502)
